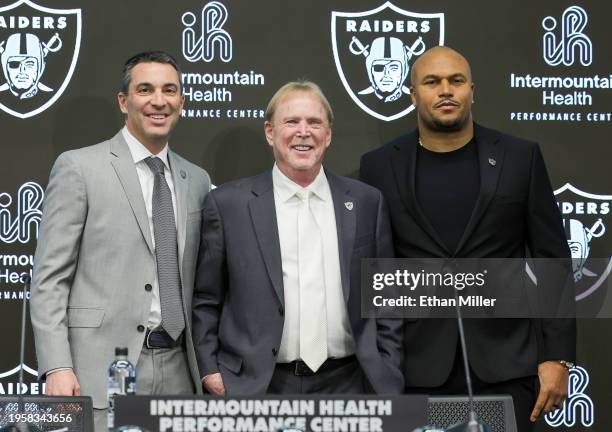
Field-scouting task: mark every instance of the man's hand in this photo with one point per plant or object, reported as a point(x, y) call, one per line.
point(553, 388)
point(62, 383)
point(213, 383)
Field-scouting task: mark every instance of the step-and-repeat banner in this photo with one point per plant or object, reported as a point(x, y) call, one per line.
point(543, 71)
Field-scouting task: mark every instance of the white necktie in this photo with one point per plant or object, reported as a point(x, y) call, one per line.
point(313, 311)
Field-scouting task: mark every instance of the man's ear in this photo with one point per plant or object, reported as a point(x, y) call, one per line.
point(412, 96)
point(329, 137)
point(122, 100)
point(268, 130)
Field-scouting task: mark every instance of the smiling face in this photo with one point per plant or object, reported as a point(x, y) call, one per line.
point(299, 134)
point(442, 90)
point(152, 104)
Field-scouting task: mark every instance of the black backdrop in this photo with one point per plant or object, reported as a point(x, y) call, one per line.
point(273, 42)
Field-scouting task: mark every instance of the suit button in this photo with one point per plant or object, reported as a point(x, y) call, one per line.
point(148, 287)
point(274, 352)
point(140, 328)
point(281, 311)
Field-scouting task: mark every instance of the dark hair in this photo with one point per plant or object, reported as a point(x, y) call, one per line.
point(146, 57)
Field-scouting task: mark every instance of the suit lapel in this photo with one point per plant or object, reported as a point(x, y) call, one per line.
point(263, 215)
point(123, 165)
point(346, 226)
point(490, 161)
point(403, 162)
point(181, 189)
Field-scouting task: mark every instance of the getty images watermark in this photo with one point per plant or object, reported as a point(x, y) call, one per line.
point(481, 288)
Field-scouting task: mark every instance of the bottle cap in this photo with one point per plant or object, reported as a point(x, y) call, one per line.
point(121, 351)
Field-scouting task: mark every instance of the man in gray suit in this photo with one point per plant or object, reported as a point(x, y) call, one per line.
point(277, 295)
point(117, 249)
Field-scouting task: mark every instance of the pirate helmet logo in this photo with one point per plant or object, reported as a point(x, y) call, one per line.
point(374, 50)
point(39, 47)
point(23, 63)
point(386, 62)
point(579, 238)
point(585, 216)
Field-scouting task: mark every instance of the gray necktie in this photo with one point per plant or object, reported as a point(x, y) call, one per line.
point(164, 229)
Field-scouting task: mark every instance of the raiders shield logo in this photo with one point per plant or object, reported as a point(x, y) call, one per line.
point(39, 47)
point(374, 50)
point(9, 381)
point(585, 219)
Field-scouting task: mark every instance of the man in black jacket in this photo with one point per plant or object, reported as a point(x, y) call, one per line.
point(456, 189)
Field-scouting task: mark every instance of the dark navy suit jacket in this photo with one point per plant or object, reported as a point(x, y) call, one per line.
point(238, 306)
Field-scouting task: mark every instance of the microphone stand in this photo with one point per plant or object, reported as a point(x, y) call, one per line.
point(21, 426)
point(472, 424)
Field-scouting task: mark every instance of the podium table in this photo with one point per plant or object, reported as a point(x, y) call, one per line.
point(289, 413)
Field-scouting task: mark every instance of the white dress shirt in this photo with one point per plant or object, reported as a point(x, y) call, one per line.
point(339, 337)
point(145, 176)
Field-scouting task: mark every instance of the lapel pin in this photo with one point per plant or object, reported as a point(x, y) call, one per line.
point(349, 205)
point(492, 162)
point(184, 174)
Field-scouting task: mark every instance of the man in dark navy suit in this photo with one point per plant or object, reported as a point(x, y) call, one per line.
point(277, 303)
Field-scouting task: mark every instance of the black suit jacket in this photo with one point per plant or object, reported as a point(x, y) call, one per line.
point(515, 211)
point(238, 305)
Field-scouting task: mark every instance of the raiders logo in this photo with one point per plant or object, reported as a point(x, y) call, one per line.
point(585, 219)
point(39, 47)
point(9, 381)
point(374, 50)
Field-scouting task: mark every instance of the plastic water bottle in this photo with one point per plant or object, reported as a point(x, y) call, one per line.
point(121, 381)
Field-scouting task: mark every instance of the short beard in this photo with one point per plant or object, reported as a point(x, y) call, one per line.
point(453, 126)
point(448, 127)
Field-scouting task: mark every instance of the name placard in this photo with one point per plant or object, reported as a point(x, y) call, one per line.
point(314, 413)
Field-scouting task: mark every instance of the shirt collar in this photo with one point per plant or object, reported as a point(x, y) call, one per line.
point(140, 152)
point(287, 188)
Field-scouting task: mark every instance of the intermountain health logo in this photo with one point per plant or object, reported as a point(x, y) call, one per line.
point(39, 47)
point(585, 219)
point(212, 85)
point(20, 217)
point(568, 43)
point(206, 39)
point(374, 50)
point(574, 88)
point(578, 407)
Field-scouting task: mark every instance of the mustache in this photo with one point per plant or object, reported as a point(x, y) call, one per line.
point(446, 101)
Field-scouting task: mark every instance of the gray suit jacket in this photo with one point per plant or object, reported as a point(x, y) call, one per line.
point(238, 297)
point(95, 256)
